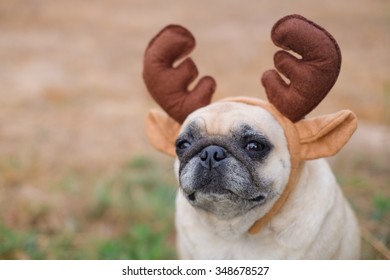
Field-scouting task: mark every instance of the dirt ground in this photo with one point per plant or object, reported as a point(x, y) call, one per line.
point(72, 95)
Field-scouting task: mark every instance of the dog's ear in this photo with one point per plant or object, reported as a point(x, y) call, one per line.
point(162, 132)
point(325, 135)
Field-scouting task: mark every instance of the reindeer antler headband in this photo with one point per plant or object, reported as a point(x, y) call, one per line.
point(311, 77)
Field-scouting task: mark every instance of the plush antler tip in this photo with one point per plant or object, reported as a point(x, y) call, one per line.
point(312, 76)
point(167, 83)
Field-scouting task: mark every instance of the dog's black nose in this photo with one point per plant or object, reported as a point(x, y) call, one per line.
point(211, 156)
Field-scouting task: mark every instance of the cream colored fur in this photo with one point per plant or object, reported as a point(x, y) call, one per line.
point(315, 222)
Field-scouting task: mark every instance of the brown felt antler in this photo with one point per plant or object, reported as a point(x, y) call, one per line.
point(311, 77)
point(167, 84)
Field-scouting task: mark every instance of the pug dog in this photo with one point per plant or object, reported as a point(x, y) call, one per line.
point(253, 181)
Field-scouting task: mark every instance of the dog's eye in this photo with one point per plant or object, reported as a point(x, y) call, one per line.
point(254, 146)
point(183, 144)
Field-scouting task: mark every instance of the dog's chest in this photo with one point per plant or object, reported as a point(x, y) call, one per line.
point(195, 241)
point(208, 246)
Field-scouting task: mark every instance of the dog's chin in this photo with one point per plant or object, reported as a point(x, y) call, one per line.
point(224, 204)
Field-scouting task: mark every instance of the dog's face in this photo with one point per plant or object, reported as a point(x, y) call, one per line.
point(231, 158)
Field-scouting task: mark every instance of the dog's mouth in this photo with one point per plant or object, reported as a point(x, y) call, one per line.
point(260, 198)
point(224, 204)
point(191, 197)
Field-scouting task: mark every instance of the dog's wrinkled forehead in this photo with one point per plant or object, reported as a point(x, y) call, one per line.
point(223, 118)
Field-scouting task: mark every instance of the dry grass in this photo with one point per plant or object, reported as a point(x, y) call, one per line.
point(72, 105)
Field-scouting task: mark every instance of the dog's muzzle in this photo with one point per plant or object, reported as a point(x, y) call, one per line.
point(218, 176)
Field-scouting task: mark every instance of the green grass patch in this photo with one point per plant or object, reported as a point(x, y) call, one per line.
point(140, 242)
point(17, 244)
point(382, 207)
point(127, 214)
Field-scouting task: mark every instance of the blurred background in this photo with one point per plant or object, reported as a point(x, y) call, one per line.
point(78, 179)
